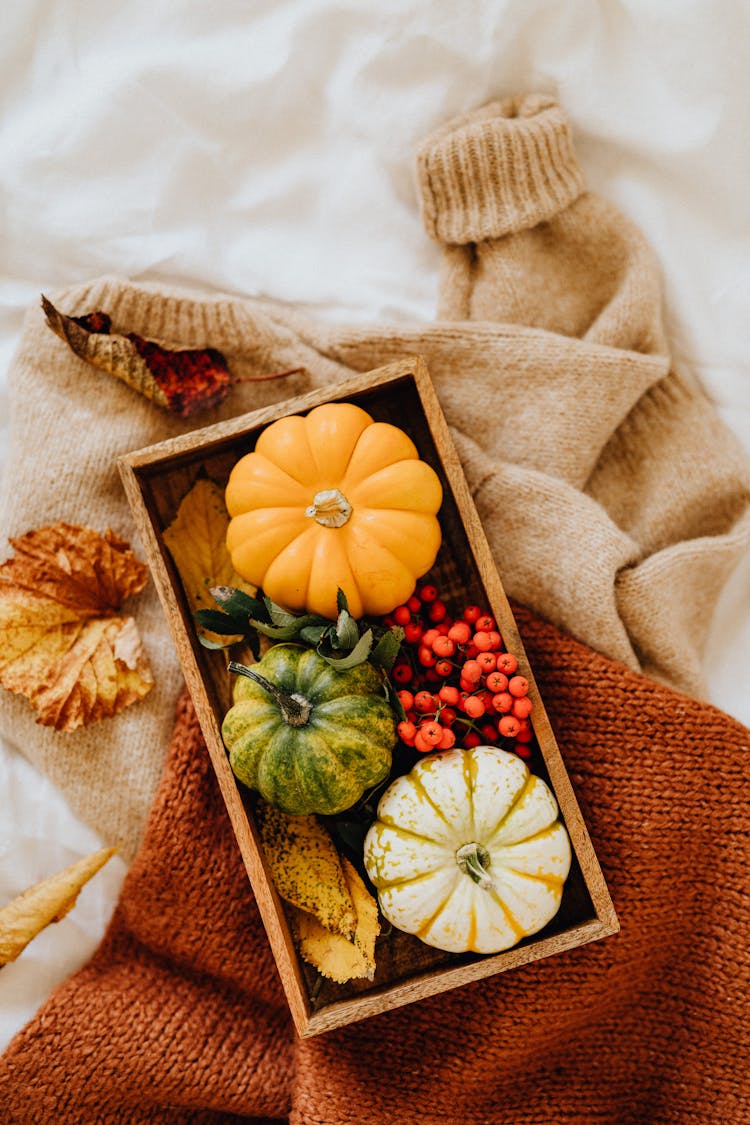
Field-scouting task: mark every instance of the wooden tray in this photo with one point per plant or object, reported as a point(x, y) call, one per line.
point(156, 480)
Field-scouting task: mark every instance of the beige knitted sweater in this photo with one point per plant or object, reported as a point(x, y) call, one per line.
point(615, 501)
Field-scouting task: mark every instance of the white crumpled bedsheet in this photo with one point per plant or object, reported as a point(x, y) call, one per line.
point(267, 148)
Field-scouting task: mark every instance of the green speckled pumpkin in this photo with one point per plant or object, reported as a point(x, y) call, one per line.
point(309, 738)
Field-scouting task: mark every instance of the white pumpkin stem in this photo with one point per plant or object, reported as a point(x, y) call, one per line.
point(295, 709)
point(474, 859)
point(330, 508)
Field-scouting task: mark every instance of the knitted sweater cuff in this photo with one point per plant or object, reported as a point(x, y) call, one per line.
point(503, 168)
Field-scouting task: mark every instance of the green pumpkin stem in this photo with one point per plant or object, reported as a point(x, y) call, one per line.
point(295, 709)
point(474, 859)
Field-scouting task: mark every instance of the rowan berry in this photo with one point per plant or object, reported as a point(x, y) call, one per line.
point(406, 732)
point(471, 652)
point(402, 672)
point(443, 646)
point(406, 699)
point(509, 726)
point(486, 661)
point(474, 707)
point(437, 611)
point(522, 750)
point(449, 694)
point(447, 717)
point(431, 732)
point(448, 741)
point(484, 623)
point(427, 593)
point(481, 641)
point(525, 733)
point(432, 676)
point(466, 685)
point(460, 632)
point(502, 702)
point(471, 671)
point(414, 604)
point(496, 640)
point(443, 668)
point(402, 615)
point(522, 707)
point(421, 743)
point(426, 656)
point(472, 613)
point(506, 662)
point(425, 702)
point(429, 636)
point(496, 682)
point(518, 686)
point(471, 740)
point(413, 633)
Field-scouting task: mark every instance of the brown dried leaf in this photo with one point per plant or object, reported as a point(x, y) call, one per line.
point(336, 957)
point(183, 381)
point(49, 901)
point(62, 643)
point(196, 539)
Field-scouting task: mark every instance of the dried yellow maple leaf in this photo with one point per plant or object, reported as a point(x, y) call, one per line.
point(306, 868)
point(196, 539)
point(332, 954)
point(49, 901)
point(62, 642)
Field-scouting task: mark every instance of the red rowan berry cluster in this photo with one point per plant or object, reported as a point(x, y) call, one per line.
point(458, 685)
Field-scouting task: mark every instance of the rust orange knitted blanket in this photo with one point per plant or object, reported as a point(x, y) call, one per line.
point(180, 1017)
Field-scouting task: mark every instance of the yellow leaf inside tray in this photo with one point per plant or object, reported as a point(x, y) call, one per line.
point(196, 539)
point(336, 957)
point(306, 868)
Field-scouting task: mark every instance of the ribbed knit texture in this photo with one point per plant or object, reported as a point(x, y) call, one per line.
point(615, 501)
point(180, 1016)
point(501, 169)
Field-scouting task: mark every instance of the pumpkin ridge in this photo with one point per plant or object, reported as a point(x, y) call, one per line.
point(401, 831)
point(513, 922)
point(527, 839)
point(413, 878)
point(551, 881)
point(417, 781)
point(529, 782)
point(426, 926)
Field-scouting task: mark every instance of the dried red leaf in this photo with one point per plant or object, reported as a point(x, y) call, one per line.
point(183, 381)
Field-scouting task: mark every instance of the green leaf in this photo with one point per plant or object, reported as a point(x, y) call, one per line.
point(347, 630)
point(239, 603)
point(358, 655)
point(278, 615)
point(312, 634)
point(342, 604)
point(392, 696)
point(219, 622)
point(212, 644)
point(387, 648)
point(277, 632)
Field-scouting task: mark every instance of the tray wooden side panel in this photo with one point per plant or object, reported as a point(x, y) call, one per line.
point(156, 479)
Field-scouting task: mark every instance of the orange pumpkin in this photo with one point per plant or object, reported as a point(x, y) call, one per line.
point(333, 499)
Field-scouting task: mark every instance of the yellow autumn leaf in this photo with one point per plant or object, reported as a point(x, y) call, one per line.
point(332, 954)
point(63, 643)
point(306, 868)
point(49, 901)
point(196, 539)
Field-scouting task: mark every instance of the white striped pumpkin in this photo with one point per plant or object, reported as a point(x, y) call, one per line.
point(467, 851)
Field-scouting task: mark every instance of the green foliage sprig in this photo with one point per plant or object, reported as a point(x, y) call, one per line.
point(343, 643)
